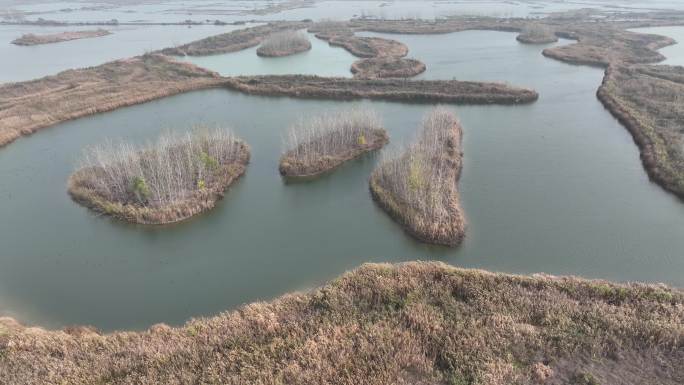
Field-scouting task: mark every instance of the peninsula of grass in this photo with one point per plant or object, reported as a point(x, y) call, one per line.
point(321, 143)
point(284, 44)
point(417, 323)
point(537, 34)
point(32, 39)
point(649, 102)
point(26, 107)
point(164, 182)
point(417, 186)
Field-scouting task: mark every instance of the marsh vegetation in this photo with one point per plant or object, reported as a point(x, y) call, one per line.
point(26, 107)
point(537, 34)
point(166, 181)
point(649, 101)
point(320, 143)
point(413, 323)
point(417, 184)
point(33, 39)
point(284, 43)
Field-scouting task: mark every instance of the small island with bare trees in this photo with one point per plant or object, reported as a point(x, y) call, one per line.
point(417, 185)
point(322, 143)
point(284, 43)
point(172, 179)
point(33, 39)
point(537, 34)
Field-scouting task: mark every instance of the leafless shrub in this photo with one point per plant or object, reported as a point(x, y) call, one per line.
point(420, 179)
point(338, 135)
point(285, 42)
point(160, 173)
point(537, 33)
point(537, 30)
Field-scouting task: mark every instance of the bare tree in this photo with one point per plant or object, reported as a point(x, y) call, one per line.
point(160, 173)
point(284, 43)
point(324, 141)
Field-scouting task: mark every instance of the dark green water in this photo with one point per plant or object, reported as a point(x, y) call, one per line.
point(555, 187)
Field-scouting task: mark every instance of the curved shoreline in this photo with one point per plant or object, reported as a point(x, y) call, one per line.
point(200, 201)
point(77, 93)
point(420, 225)
point(651, 147)
point(378, 322)
point(536, 40)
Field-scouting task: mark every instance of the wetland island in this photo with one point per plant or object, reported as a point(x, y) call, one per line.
point(557, 131)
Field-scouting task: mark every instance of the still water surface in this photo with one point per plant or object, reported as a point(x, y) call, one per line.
point(322, 60)
point(555, 186)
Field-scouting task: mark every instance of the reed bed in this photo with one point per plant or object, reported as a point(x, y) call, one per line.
point(165, 181)
point(317, 144)
point(536, 33)
point(284, 43)
point(416, 184)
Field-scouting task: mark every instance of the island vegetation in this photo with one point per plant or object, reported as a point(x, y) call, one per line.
point(537, 34)
point(387, 67)
point(163, 182)
point(233, 41)
point(33, 39)
point(412, 323)
point(26, 107)
point(649, 101)
point(416, 185)
point(414, 91)
point(284, 44)
point(318, 144)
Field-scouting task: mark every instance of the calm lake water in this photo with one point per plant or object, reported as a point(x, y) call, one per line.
point(555, 186)
point(322, 59)
point(18, 63)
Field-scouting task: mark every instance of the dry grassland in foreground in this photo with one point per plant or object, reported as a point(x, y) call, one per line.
point(413, 323)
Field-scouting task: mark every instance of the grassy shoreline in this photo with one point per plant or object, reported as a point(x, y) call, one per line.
point(652, 119)
point(411, 323)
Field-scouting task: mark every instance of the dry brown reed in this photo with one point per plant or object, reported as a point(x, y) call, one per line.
point(317, 144)
point(416, 323)
point(284, 43)
point(175, 171)
point(417, 184)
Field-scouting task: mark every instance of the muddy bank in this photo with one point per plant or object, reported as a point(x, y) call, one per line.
point(426, 91)
point(411, 323)
point(649, 102)
point(31, 39)
point(26, 107)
